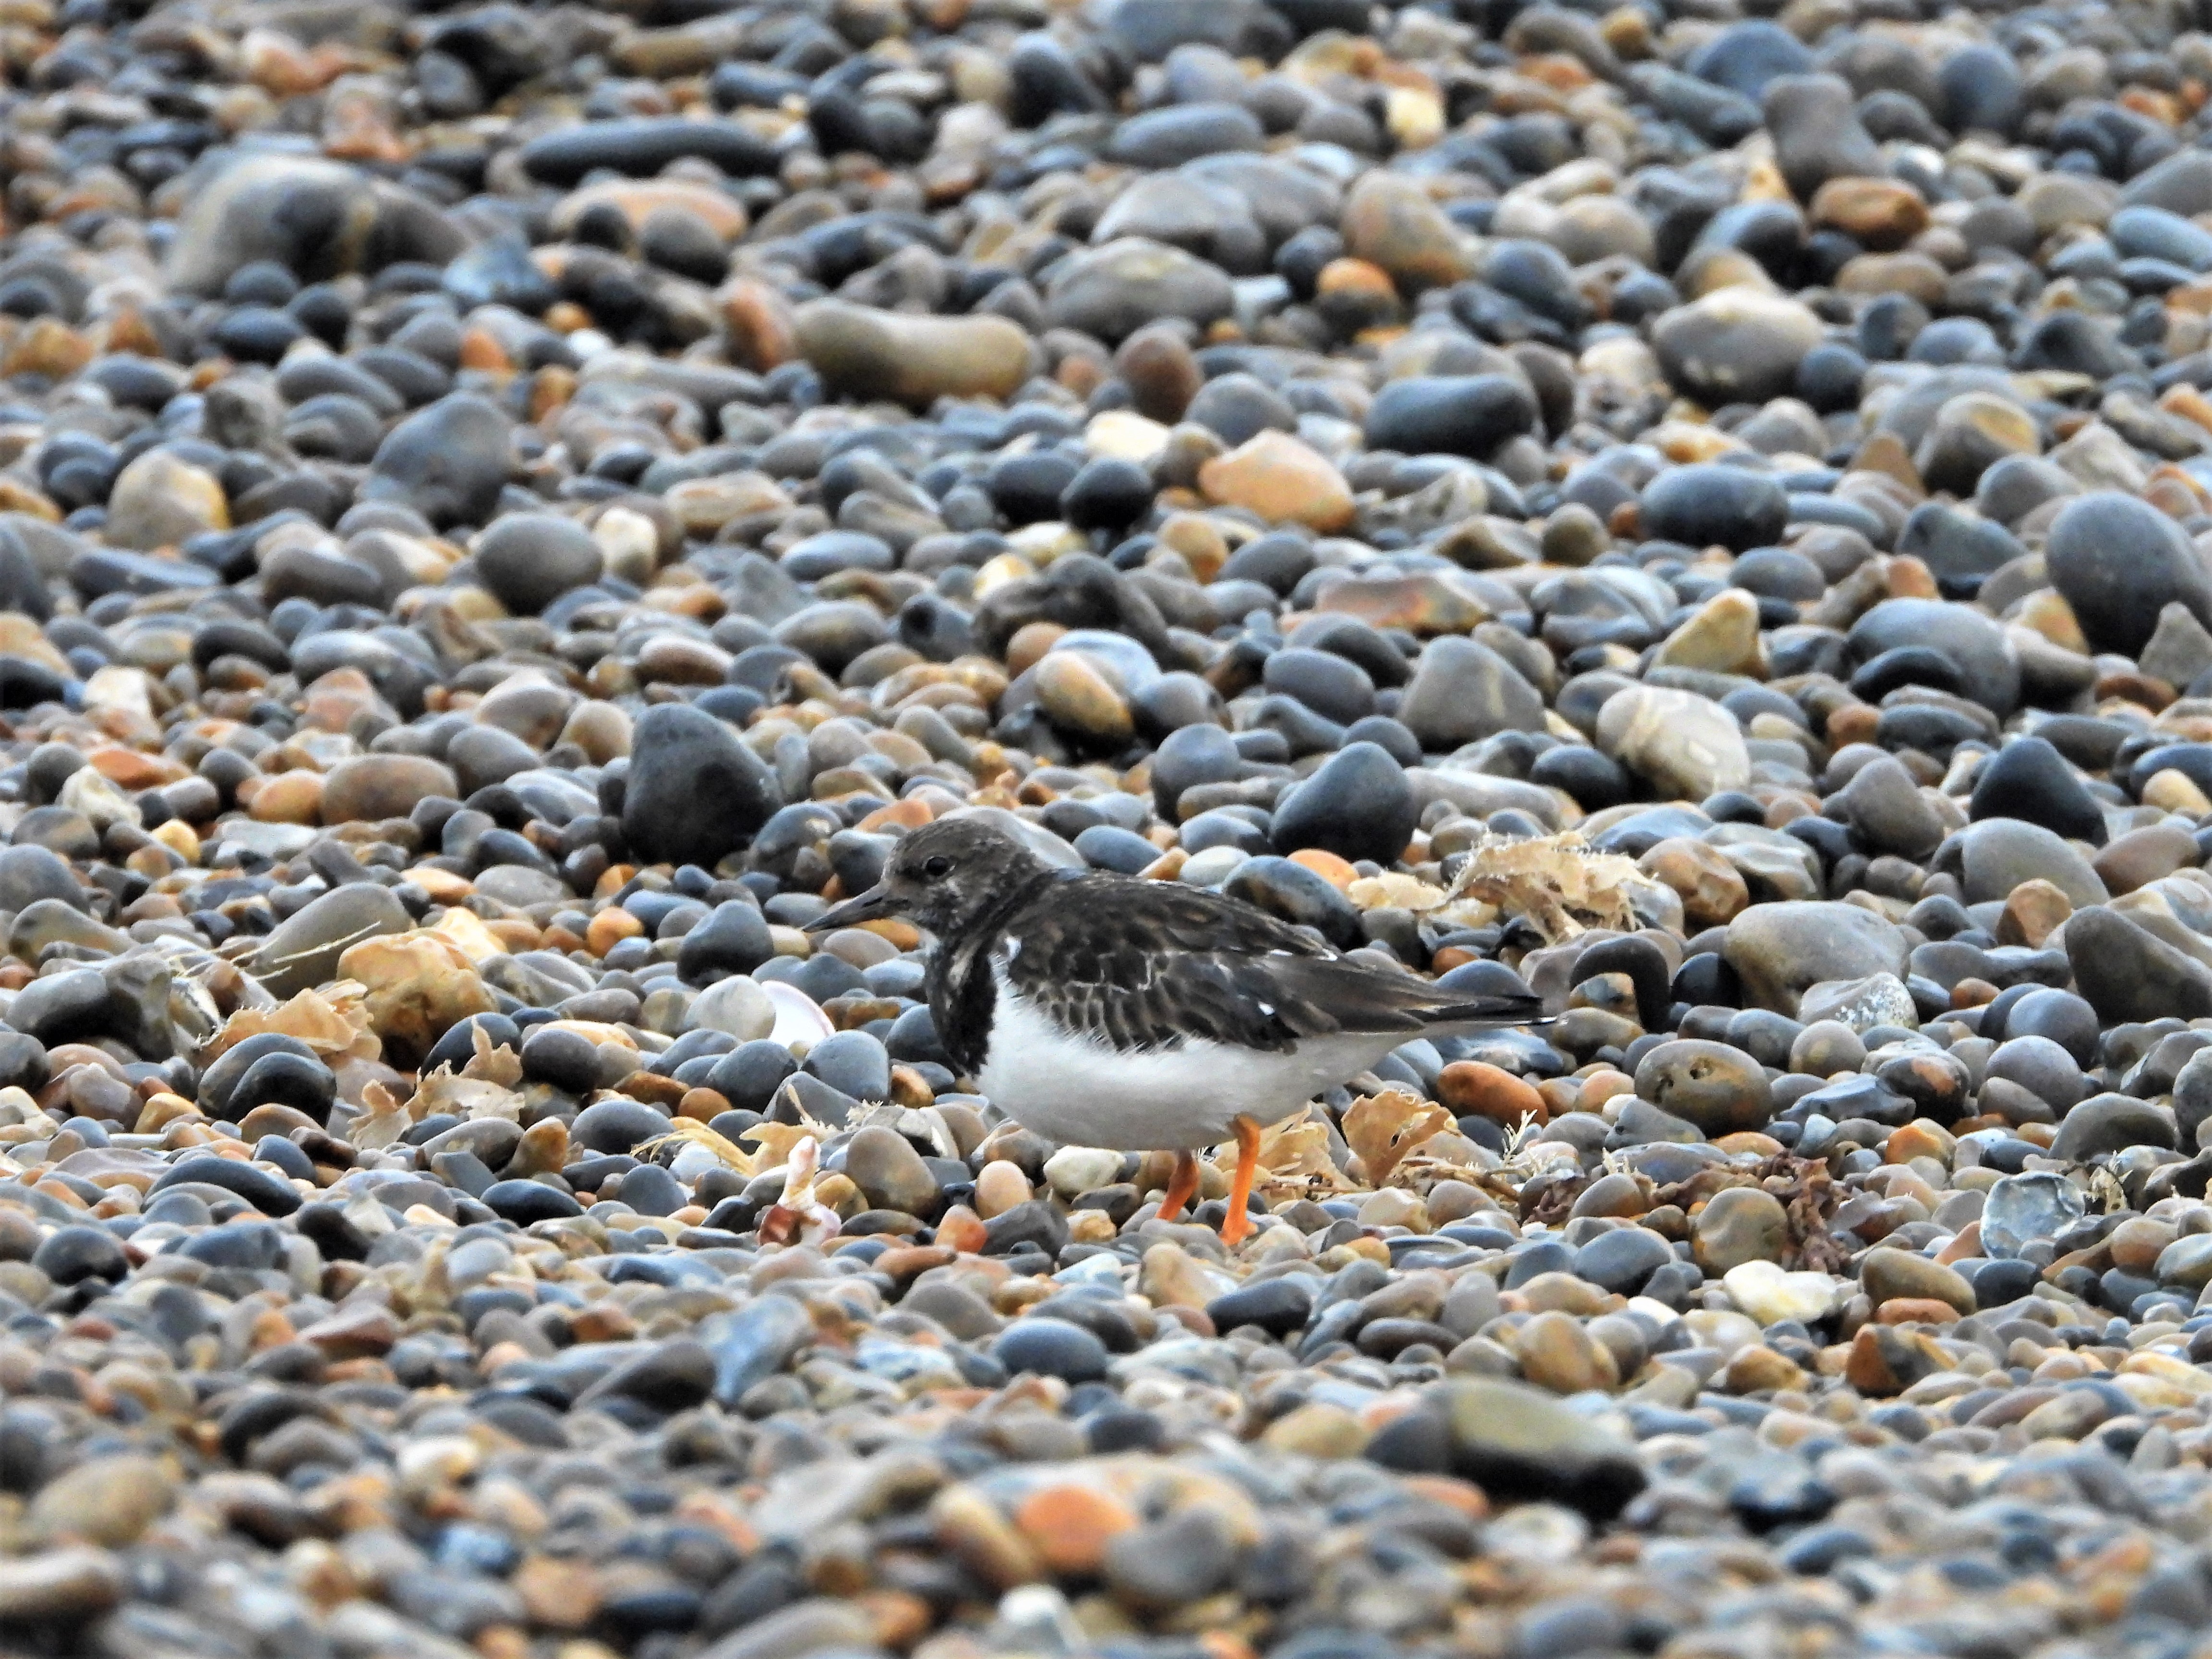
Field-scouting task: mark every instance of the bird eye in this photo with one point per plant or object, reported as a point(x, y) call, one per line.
point(936, 869)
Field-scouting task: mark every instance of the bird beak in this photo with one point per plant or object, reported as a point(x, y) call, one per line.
point(870, 906)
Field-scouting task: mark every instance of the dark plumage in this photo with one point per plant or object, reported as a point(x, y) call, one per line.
point(1108, 1010)
point(1147, 964)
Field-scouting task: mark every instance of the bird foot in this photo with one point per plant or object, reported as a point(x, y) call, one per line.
point(1182, 1185)
point(1236, 1225)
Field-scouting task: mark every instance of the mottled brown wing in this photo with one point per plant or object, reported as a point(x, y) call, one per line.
point(1145, 965)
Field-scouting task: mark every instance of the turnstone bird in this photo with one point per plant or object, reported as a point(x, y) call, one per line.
point(1104, 1010)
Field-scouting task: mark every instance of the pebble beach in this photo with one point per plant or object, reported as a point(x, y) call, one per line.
point(1698, 509)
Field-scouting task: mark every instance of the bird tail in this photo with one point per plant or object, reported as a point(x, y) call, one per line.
point(1483, 1013)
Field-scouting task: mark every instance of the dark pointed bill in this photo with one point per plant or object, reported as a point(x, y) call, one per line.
point(871, 905)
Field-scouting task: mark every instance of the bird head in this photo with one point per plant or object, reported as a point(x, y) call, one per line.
point(941, 877)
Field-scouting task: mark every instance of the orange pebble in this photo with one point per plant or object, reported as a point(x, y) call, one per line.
point(608, 929)
point(1330, 868)
point(1602, 1086)
point(1030, 641)
point(961, 1229)
point(1070, 1526)
point(289, 798)
point(702, 1105)
point(1470, 1088)
point(907, 813)
point(516, 932)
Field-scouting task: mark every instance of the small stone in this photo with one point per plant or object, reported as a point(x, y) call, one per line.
point(1082, 698)
point(373, 787)
point(1074, 1170)
point(1972, 433)
point(1817, 132)
point(736, 1005)
point(757, 1341)
point(304, 950)
point(1720, 637)
point(693, 792)
point(865, 353)
point(1281, 480)
point(1884, 806)
point(1889, 1274)
point(1000, 1187)
point(1779, 950)
point(1071, 1526)
point(641, 147)
point(1623, 1260)
point(1318, 1431)
point(448, 461)
point(1769, 1295)
point(2028, 778)
point(1713, 891)
point(1520, 1444)
point(1986, 663)
point(1277, 1306)
point(59, 1587)
point(1470, 1088)
point(733, 939)
point(1172, 1563)
point(886, 1167)
point(1463, 692)
point(1736, 346)
point(1689, 746)
point(817, 1624)
point(2127, 973)
point(1112, 291)
point(1730, 506)
point(2142, 856)
point(1861, 1004)
point(1357, 804)
point(1737, 1225)
point(1467, 415)
point(2109, 1124)
point(1998, 855)
point(160, 501)
point(1556, 1352)
point(2120, 563)
point(1392, 222)
point(2179, 648)
point(73, 1254)
point(1758, 1368)
point(106, 1500)
point(529, 560)
point(1719, 1089)
point(283, 210)
point(1051, 1347)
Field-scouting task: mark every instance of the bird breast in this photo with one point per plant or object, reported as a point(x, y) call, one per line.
point(1079, 1089)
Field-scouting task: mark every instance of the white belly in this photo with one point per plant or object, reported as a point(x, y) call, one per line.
point(1081, 1091)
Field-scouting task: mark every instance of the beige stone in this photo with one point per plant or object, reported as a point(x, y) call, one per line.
point(1280, 479)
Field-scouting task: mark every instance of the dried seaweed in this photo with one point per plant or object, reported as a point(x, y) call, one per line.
point(1383, 1129)
point(690, 1132)
point(1555, 883)
point(779, 1143)
point(484, 1087)
point(333, 1021)
point(384, 1123)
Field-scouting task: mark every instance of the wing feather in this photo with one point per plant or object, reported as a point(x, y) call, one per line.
point(1146, 965)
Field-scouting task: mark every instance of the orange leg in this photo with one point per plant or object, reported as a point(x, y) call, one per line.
point(1238, 1222)
point(1181, 1186)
